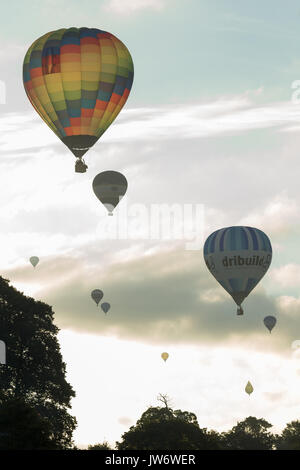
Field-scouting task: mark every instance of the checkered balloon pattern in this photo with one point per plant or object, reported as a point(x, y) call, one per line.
point(78, 80)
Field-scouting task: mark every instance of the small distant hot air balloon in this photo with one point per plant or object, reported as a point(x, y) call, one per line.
point(78, 80)
point(238, 257)
point(165, 356)
point(270, 322)
point(97, 295)
point(110, 187)
point(295, 344)
point(105, 307)
point(34, 260)
point(249, 388)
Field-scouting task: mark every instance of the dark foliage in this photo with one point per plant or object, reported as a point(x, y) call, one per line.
point(34, 372)
point(165, 429)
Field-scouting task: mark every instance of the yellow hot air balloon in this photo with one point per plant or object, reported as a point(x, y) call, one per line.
point(165, 356)
point(78, 80)
point(249, 388)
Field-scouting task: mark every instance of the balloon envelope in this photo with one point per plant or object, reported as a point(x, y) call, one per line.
point(97, 295)
point(78, 80)
point(34, 260)
point(165, 356)
point(270, 322)
point(238, 257)
point(110, 187)
point(105, 307)
point(249, 389)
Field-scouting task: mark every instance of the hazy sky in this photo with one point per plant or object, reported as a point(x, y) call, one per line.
point(212, 124)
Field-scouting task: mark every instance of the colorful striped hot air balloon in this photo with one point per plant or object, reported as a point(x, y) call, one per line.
point(238, 257)
point(78, 80)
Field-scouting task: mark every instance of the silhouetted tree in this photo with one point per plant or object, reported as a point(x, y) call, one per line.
point(22, 427)
point(250, 434)
point(34, 370)
point(290, 437)
point(161, 428)
point(103, 446)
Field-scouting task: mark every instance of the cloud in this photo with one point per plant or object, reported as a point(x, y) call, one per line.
point(128, 7)
point(279, 216)
point(227, 116)
point(165, 296)
point(274, 396)
point(50, 211)
point(288, 305)
point(125, 421)
point(185, 121)
point(287, 275)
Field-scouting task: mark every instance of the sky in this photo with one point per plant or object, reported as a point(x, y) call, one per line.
point(212, 129)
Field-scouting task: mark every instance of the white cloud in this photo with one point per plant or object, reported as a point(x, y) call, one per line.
point(288, 305)
point(221, 117)
point(127, 7)
point(278, 217)
point(203, 120)
point(287, 275)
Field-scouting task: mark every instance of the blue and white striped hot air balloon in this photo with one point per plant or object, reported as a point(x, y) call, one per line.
point(238, 257)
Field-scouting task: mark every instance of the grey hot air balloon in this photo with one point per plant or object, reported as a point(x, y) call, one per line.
point(97, 295)
point(34, 260)
point(110, 187)
point(105, 307)
point(270, 322)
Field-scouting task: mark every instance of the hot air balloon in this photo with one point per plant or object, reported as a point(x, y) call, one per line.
point(238, 257)
point(165, 356)
point(78, 80)
point(295, 344)
point(97, 295)
point(249, 388)
point(270, 322)
point(105, 307)
point(110, 187)
point(34, 260)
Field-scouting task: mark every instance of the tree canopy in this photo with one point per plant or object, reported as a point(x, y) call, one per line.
point(250, 434)
point(34, 371)
point(22, 427)
point(290, 437)
point(100, 446)
point(161, 428)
